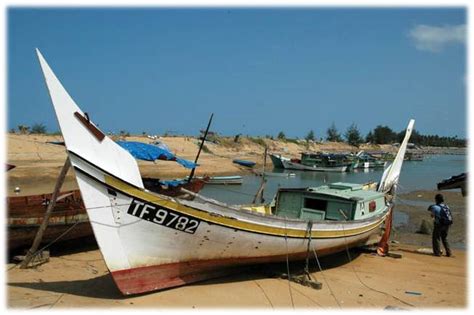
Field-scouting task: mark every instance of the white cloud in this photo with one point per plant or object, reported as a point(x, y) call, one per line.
point(436, 38)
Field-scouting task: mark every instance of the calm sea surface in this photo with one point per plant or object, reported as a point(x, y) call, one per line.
point(415, 175)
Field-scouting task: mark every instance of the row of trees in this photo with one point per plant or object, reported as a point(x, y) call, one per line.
point(379, 135)
point(35, 129)
point(383, 135)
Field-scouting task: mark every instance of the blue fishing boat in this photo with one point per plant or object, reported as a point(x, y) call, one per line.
point(244, 163)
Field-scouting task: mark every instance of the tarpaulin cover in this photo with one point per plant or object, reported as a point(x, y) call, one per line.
point(149, 152)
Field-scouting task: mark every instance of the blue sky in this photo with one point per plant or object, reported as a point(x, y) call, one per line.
point(260, 71)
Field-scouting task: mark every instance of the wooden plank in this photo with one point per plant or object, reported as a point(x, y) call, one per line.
point(90, 126)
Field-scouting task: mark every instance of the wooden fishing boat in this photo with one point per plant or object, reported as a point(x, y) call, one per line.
point(151, 241)
point(244, 163)
point(318, 162)
point(366, 160)
point(414, 156)
point(277, 160)
point(25, 213)
point(273, 174)
point(224, 180)
point(455, 182)
point(221, 180)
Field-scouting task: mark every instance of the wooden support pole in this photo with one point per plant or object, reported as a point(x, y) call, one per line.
point(259, 195)
point(39, 235)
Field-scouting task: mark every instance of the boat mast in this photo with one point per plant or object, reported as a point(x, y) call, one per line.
point(200, 148)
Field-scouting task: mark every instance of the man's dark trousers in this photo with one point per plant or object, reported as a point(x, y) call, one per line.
point(440, 231)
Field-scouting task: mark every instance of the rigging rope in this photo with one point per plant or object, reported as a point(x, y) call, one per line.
point(309, 230)
point(48, 245)
point(360, 280)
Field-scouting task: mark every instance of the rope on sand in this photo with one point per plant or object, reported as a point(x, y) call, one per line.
point(48, 245)
point(360, 280)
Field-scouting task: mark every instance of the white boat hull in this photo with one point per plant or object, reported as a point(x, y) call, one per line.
point(150, 241)
point(146, 255)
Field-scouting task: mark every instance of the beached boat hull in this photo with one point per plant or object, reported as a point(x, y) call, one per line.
point(151, 241)
point(203, 240)
point(26, 213)
point(298, 166)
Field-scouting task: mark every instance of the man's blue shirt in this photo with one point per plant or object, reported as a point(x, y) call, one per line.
point(436, 211)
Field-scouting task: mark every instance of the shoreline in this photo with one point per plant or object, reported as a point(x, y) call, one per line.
point(38, 164)
point(414, 204)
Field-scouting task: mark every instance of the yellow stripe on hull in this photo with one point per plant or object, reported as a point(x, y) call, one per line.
point(232, 222)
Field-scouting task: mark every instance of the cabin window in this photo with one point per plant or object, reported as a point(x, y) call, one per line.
point(316, 204)
point(372, 206)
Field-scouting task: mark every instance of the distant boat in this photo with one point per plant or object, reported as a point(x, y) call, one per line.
point(272, 174)
point(318, 162)
point(10, 166)
point(412, 156)
point(458, 181)
point(149, 241)
point(366, 160)
point(221, 180)
point(277, 160)
point(244, 163)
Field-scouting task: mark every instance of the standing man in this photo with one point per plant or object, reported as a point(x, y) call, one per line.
point(442, 221)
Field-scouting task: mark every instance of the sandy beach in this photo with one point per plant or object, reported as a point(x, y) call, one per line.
point(76, 275)
point(415, 281)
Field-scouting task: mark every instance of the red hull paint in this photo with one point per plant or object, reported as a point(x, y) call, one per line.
point(152, 278)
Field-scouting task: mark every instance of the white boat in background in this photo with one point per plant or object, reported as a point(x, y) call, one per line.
point(151, 241)
point(277, 160)
point(316, 162)
point(222, 180)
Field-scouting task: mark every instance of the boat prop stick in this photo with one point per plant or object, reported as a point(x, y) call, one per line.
point(264, 180)
point(39, 235)
point(200, 148)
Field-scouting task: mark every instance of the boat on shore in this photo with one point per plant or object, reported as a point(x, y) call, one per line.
point(26, 213)
point(151, 241)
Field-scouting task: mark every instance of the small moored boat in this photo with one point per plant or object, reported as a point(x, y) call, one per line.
point(277, 160)
point(244, 163)
point(318, 162)
point(221, 180)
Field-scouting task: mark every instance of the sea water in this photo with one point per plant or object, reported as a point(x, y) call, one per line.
point(415, 175)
